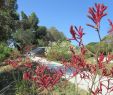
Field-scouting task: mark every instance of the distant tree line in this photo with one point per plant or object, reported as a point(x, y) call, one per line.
point(23, 28)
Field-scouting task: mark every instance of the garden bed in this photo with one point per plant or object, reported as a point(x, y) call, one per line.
point(17, 86)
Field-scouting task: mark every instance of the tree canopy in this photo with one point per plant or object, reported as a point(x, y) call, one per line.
point(8, 18)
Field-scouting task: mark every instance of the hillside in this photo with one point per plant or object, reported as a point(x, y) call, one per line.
point(104, 46)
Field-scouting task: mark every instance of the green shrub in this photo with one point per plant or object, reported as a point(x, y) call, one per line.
point(4, 51)
point(25, 88)
point(58, 50)
point(41, 42)
point(24, 37)
point(100, 47)
point(15, 54)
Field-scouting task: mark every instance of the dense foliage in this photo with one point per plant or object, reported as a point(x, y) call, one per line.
point(9, 18)
point(58, 51)
point(4, 51)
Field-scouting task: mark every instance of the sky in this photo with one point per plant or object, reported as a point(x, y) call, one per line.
point(63, 13)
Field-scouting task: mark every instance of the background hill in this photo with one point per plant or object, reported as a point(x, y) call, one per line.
point(106, 45)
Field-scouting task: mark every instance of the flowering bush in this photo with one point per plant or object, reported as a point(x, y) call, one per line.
point(58, 50)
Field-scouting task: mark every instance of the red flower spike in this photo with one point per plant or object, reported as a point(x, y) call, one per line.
point(77, 34)
point(26, 76)
point(96, 14)
point(80, 32)
point(83, 50)
point(111, 25)
point(72, 31)
point(44, 82)
point(34, 78)
point(98, 90)
point(109, 58)
point(101, 86)
point(100, 61)
point(91, 26)
point(101, 58)
point(105, 72)
point(13, 63)
point(55, 79)
point(40, 69)
point(29, 65)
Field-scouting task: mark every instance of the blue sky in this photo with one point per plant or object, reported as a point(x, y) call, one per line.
point(63, 13)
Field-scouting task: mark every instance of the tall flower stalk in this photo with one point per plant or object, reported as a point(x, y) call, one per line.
point(96, 14)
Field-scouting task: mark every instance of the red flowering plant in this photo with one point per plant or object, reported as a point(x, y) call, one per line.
point(42, 77)
point(98, 76)
point(16, 66)
point(111, 25)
